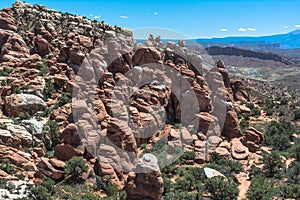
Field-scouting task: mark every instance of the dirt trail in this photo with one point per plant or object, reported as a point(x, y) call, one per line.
point(244, 185)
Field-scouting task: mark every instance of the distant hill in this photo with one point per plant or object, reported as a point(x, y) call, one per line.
point(283, 41)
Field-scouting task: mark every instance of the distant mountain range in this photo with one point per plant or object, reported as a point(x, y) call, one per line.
point(281, 41)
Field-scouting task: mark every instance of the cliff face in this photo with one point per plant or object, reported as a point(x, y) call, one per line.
point(124, 95)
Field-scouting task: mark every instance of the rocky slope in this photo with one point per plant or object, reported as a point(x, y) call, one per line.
point(125, 95)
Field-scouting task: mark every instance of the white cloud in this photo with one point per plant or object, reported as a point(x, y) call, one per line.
point(223, 29)
point(91, 15)
point(242, 30)
point(124, 17)
point(155, 13)
point(251, 29)
point(97, 16)
point(285, 26)
point(297, 26)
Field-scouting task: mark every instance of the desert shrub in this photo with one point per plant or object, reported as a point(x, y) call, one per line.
point(63, 99)
point(279, 135)
point(168, 185)
point(244, 124)
point(100, 184)
point(297, 114)
point(20, 176)
point(188, 157)
point(261, 189)
point(3, 183)
point(48, 183)
point(17, 91)
point(111, 189)
point(75, 167)
point(185, 183)
point(256, 112)
point(254, 171)
point(250, 105)
point(51, 134)
point(182, 195)
point(289, 191)
point(157, 147)
point(123, 195)
point(3, 126)
point(293, 173)
point(24, 116)
point(7, 166)
point(221, 188)
point(89, 196)
point(43, 67)
point(6, 71)
point(273, 165)
point(177, 126)
point(284, 101)
point(48, 89)
point(270, 112)
point(229, 166)
point(39, 193)
point(47, 111)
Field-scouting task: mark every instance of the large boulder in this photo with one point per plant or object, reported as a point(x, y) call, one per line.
point(147, 183)
point(238, 150)
point(27, 103)
point(252, 139)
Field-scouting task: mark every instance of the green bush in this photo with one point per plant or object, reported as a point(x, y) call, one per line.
point(111, 189)
point(221, 188)
point(7, 166)
point(256, 112)
point(48, 183)
point(6, 71)
point(39, 193)
point(188, 157)
point(270, 112)
point(75, 167)
point(24, 116)
point(43, 67)
point(273, 166)
point(51, 134)
point(63, 99)
point(244, 124)
point(254, 171)
point(261, 189)
point(297, 114)
point(48, 89)
point(3, 126)
point(293, 173)
point(290, 191)
point(17, 91)
point(227, 166)
point(279, 135)
point(182, 195)
point(3, 183)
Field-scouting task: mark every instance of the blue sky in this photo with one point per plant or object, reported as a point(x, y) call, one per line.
point(203, 18)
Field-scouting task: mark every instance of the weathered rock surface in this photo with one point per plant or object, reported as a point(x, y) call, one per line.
point(138, 184)
point(252, 139)
point(28, 103)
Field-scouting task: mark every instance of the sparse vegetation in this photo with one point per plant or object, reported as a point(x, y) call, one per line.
point(6, 71)
point(7, 166)
point(75, 167)
point(48, 89)
point(43, 67)
point(63, 99)
point(51, 134)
